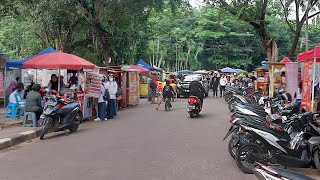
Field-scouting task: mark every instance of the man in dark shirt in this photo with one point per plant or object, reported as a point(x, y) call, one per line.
point(215, 84)
point(196, 89)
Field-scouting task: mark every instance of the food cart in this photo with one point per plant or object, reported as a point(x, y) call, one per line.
point(310, 79)
point(85, 90)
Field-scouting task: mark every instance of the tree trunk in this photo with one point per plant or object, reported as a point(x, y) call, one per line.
point(103, 38)
point(294, 43)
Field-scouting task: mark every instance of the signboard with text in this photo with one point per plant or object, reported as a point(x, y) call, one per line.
point(307, 85)
point(93, 84)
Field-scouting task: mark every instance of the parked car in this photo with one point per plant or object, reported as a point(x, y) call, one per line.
point(183, 85)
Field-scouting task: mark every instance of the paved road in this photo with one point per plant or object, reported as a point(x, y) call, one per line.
point(142, 144)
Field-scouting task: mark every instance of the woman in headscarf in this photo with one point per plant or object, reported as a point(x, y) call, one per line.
point(102, 109)
point(53, 84)
point(112, 88)
point(33, 101)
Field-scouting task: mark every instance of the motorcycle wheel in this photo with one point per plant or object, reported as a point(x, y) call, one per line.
point(44, 129)
point(316, 157)
point(231, 105)
point(78, 120)
point(192, 114)
point(244, 163)
point(232, 149)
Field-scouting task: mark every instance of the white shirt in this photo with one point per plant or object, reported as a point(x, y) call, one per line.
point(223, 81)
point(102, 93)
point(112, 87)
point(12, 98)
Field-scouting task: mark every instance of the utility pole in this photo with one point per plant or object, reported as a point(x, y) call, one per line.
point(177, 56)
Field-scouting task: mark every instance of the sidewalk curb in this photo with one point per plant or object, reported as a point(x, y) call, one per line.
point(19, 138)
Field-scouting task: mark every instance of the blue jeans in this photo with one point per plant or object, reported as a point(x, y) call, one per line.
point(102, 110)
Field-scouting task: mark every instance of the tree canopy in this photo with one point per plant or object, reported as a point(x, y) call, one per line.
point(166, 33)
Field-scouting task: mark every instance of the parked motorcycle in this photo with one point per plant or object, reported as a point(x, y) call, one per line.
point(263, 172)
point(194, 106)
point(295, 146)
point(60, 115)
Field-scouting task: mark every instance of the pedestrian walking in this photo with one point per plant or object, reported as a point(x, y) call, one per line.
point(223, 82)
point(103, 98)
point(112, 88)
point(153, 88)
point(215, 81)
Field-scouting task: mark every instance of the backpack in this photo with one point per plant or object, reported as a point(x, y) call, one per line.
point(167, 89)
point(106, 96)
point(152, 85)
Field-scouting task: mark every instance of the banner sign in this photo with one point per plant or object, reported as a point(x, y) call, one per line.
point(93, 84)
point(292, 72)
point(307, 85)
point(1, 85)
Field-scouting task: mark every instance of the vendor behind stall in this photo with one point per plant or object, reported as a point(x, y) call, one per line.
point(73, 80)
point(53, 84)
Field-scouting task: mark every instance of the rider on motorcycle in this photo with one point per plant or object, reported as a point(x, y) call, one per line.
point(167, 92)
point(196, 89)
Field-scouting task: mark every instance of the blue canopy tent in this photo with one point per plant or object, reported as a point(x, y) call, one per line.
point(228, 70)
point(19, 63)
point(143, 64)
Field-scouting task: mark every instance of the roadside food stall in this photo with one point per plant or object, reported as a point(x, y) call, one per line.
point(144, 73)
point(310, 79)
point(121, 79)
point(262, 81)
point(84, 90)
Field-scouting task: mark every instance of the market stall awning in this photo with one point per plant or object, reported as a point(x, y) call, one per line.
point(145, 65)
point(228, 70)
point(136, 68)
point(285, 60)
point(19, 63)
point(58, 60)
point(310, 55)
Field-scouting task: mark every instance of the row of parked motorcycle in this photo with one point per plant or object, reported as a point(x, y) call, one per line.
point(269, 135)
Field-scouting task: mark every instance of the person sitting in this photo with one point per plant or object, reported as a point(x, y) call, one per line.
point(53, 84)
point(62, 84)
point(33, 101)
point(17, 95)
point(167, 92)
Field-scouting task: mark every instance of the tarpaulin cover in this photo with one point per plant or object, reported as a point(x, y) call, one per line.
point(145, 65)
point(310, 55)
point(19, 63)
point(285, 60)
point(58, 60)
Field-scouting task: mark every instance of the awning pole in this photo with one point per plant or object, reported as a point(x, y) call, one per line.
point(59, 80)
point(313, 79)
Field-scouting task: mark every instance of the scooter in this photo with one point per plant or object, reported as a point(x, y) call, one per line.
point(263, 172)
point(194, 106)
point(60, 115)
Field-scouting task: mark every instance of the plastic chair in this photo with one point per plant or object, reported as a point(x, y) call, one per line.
point(20, 104)
point(34, 119)
point(13, 113)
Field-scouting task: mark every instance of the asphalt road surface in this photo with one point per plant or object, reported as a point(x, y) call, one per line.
point(141, 144)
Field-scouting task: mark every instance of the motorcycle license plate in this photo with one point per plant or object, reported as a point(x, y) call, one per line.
point(191, 107)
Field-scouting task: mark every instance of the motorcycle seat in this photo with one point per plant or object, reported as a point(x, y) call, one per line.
point(290, 174)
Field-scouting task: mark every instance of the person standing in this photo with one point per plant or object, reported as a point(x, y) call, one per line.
point(102, 107)
point(153, 88)
point(112, 88)
point(223, 82)
point(215, 84)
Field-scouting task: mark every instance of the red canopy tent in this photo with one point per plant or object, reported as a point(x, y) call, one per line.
point(139, 69)
point(285, 60)
point(310, 55)
point(58, 60)
point(310, 58)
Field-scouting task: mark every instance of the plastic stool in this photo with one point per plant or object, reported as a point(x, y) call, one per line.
point(34, 119)
point(13, 113)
